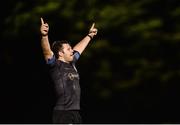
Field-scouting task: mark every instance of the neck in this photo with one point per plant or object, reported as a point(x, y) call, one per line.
point(62, 59)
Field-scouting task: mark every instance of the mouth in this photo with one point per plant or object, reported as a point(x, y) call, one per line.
point(72, 55)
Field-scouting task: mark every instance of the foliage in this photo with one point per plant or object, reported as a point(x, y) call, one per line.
point(137, 41)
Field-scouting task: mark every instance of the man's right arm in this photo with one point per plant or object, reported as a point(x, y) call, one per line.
point(47, 52)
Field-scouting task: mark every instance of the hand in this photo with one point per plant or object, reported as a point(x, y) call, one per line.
point(44, 28)
point(92, 31)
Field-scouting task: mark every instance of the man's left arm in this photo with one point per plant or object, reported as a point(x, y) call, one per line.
point(85, 41)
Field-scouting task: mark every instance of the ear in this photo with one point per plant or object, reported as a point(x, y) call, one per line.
point(61, 53)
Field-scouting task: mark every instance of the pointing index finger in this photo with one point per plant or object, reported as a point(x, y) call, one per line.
point(42, 21)
point(92, 27)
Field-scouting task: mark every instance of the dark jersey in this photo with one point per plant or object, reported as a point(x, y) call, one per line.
point(66, 81)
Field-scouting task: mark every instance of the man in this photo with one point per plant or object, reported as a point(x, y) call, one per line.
point(61, 59)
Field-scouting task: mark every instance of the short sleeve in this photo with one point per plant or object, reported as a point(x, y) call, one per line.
point(76, 56)
point(51, 61)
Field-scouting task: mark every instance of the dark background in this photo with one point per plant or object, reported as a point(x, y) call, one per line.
point(129, 73)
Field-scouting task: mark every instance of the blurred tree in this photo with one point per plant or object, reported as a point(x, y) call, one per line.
point(138, 40)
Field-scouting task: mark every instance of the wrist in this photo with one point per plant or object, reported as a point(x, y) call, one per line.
point(44, 35)
point(91, 37)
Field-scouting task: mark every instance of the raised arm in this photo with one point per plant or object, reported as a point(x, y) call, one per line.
point(45, 40)
point(84, 42)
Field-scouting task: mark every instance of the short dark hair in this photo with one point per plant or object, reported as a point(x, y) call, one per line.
point(58, 46)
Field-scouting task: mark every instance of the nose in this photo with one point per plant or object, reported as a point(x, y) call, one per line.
point(73, 52)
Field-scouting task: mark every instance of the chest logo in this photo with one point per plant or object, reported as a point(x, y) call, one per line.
point(71, 76)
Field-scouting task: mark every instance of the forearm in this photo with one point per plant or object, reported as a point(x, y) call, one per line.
point(82, 44)
point(46, 47)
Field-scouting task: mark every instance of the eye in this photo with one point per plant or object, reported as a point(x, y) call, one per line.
point(69, 49)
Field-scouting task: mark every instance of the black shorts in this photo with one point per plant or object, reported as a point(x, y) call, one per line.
point(66, 117)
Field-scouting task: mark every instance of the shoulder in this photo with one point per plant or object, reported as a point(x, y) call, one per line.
point(51, 61)
point(76, 55)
